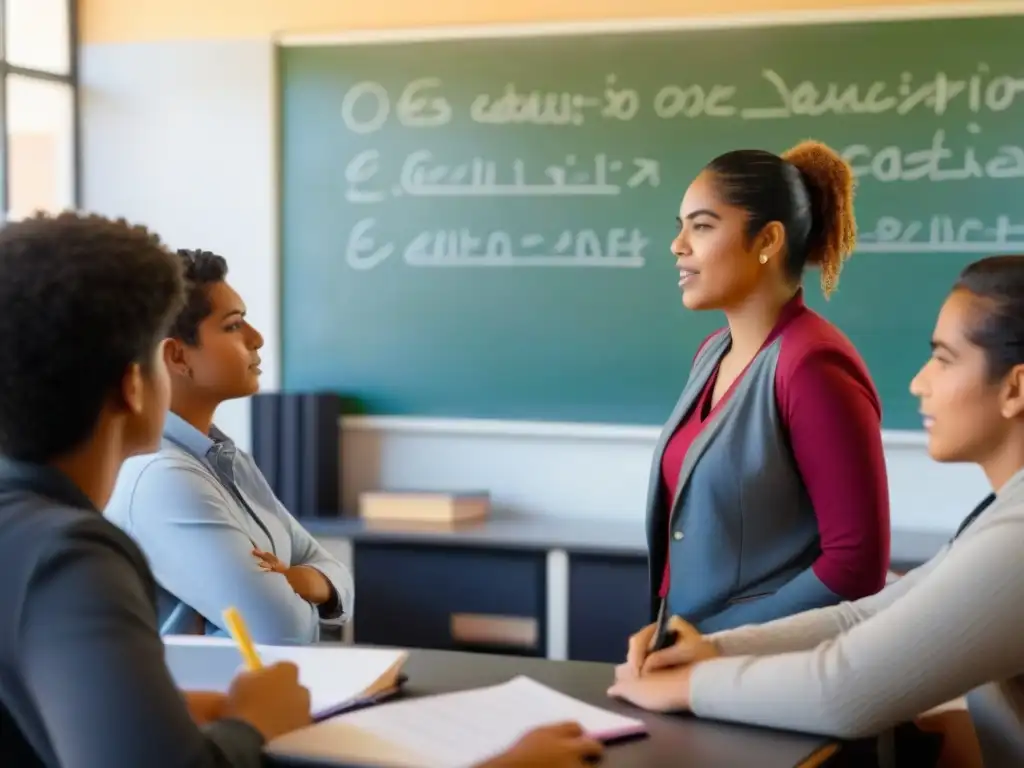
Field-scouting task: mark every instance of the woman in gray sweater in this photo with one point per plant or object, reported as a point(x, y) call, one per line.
point(953, 627)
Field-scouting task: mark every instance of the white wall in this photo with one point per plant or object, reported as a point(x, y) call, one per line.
point(180, 135)
point(598, 472)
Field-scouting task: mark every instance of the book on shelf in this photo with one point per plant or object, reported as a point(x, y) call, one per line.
point(450, 507)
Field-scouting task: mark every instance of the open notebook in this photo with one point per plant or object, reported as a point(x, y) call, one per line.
point(452, 730)
point(339, 678)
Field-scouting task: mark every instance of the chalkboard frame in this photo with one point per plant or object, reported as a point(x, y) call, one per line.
point(899, 437)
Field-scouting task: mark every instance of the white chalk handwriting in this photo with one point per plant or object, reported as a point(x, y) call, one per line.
point(810, 98)
point(943, 234)
point(367, 106)
point(695, 100)
point(537, 107)
point(362, 252)
point(936, 162)
point(617, 248)
point(422, 176)
point(979, 92)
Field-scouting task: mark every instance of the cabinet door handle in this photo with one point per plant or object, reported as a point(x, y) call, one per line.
point(491, 629)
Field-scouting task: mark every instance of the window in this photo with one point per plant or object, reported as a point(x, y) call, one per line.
point(38, 107)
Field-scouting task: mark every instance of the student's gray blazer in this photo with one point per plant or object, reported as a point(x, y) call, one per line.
point(744, 531)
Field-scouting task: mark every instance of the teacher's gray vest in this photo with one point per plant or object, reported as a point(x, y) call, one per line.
point(742, 522)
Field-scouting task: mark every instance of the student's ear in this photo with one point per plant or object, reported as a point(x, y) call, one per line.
point(133, 392)
point(771, 241)
point(1013, 393)
point(175, 356)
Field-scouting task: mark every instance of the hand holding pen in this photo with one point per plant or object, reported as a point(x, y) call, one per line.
point(668, 642)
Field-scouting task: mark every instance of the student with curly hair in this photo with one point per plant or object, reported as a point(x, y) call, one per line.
point(768, 492)
point(86, 305)
point(211, 527)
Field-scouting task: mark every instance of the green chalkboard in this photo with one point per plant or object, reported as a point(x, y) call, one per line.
point(481, 228)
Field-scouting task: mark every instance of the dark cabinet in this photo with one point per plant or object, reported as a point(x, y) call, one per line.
point(451, 598)
point(608, 601)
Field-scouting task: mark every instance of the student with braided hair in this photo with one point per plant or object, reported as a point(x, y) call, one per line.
point(768, 492)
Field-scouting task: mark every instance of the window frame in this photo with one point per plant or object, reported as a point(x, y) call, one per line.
point(69, 79)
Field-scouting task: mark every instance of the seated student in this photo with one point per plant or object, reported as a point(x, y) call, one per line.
point(86, 304)
point(953, 627)
point(83, 683)
point(208, 522)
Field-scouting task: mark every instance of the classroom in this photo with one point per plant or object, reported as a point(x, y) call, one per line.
point(447, 219)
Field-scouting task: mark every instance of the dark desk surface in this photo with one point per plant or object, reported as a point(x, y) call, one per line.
point(672, 740)
point(909, 548)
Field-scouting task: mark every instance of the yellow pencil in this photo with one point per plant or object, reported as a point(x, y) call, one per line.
point(240, 633)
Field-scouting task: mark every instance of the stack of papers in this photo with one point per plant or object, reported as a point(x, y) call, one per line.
point(454, 730)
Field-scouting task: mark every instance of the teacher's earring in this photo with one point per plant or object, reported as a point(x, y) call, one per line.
point(763, 258)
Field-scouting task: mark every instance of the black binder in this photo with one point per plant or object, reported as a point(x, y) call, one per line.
point(296, 443)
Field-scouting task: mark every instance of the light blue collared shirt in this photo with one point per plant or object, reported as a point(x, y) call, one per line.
point(197, 508)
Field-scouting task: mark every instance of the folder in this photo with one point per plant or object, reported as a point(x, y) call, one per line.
point(339, 678)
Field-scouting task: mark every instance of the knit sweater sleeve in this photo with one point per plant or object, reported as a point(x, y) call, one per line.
point(804, 631)
point(951, 629)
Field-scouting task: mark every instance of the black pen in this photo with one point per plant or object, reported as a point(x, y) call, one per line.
point(663, 636)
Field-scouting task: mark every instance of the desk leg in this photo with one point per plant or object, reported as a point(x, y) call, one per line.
point(558, 605)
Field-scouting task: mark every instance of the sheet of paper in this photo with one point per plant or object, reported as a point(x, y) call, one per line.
point(451, 730)
point(333, 674)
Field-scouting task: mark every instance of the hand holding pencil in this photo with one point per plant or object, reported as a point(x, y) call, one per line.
point(269, 698)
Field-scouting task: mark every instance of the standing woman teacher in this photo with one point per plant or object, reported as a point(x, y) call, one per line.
point(768, 492)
